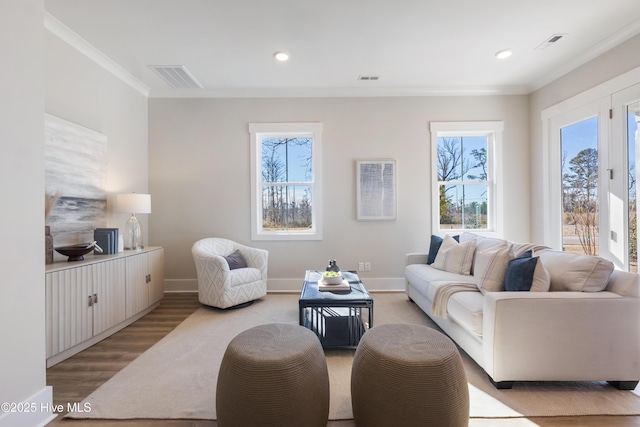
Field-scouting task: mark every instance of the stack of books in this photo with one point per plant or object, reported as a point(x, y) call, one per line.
point(342, 286)
point(107, 239)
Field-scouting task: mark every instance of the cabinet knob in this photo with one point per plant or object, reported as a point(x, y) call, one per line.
point(90, 300)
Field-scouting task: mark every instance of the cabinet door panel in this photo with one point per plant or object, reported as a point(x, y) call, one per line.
point(156, 269)
point(109, 287)
point(137, 287)
point(68, 313)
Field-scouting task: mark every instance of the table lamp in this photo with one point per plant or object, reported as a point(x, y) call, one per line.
point(133, 203)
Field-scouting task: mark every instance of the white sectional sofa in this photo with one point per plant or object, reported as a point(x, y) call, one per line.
point(585, 327)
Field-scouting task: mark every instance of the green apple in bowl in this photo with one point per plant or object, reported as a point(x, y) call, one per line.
point(331, 277)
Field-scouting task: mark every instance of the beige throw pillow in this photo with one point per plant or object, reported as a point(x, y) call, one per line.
point(455, 257)
point(490, 266)
point(541, 279)
point(574, 272)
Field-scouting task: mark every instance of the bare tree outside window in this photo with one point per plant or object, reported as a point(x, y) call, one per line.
point(633, 140)
point(450, 168)
point(286, 192)
point(580, 182)
point(463, 181)
point(633, 221)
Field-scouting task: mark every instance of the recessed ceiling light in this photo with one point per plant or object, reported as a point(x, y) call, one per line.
point(281, 56)
point(503, 54)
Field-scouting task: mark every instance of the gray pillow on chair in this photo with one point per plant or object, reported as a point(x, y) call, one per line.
point(235, 260)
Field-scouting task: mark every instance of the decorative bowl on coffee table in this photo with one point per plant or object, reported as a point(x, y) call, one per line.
point(331, 278)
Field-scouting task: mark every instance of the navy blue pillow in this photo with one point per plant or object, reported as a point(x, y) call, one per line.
point(235, 260)
point(434, 247)
point(519, 275)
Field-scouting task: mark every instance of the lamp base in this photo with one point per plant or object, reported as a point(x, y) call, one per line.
point(133, 234)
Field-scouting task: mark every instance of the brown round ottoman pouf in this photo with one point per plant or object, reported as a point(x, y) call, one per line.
point(273, 375)
point(408, 375)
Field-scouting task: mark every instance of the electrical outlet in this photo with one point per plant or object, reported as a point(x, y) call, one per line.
point(367, 266)
point(361, 266)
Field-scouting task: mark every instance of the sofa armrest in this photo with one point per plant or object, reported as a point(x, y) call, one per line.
point(564, 336)
point(416, 258)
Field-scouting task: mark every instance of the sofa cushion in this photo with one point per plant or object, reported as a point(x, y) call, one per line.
point(244, 276)
point(434, 246)
point(526, 273)
point(424, 278)
point(465, 308)
point(574, 272)
point(455, 257)
point(490, 266)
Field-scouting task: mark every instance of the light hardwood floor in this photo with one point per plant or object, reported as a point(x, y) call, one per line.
point(75, 378)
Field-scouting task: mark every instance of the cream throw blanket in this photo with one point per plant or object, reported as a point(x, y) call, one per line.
point(444, 292)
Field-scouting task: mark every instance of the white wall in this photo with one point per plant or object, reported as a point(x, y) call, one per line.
point(66, 84)
point(22, 354)
point(611, 64)
point(79, 90)
point(199, 177)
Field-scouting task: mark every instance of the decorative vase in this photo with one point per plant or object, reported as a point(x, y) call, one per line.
point(333, 266)
point(48, 245)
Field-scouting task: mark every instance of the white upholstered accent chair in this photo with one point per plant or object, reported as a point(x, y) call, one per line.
point(222, 287)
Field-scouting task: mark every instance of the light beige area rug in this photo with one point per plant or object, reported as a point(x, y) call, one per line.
point(176, 378)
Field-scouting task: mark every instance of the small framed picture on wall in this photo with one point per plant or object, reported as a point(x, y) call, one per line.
point(376, 189)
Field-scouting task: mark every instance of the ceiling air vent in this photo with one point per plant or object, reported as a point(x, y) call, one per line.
point(550, 41)
point(368, 77)
point(176, 76)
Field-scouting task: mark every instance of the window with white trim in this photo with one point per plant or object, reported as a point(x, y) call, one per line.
point(465, 180)
point(286, 185)
point(591, 144)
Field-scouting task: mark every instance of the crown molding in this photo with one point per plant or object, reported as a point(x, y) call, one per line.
point(63, 32)
point(345, 92)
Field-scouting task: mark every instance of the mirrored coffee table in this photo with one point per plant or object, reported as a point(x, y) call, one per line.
point(338, 318)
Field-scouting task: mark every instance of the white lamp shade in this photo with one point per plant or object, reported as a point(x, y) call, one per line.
point(133, 203)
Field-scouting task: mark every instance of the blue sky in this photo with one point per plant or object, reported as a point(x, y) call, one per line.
point(584, 134)
point(577, 137)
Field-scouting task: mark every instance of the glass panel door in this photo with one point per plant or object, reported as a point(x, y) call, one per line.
point(625, 152)
point(579, 180)
point(580, 207)
point(633, 139)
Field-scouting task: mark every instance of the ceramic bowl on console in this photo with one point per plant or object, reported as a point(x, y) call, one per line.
point(331, 278)
point(75, 252)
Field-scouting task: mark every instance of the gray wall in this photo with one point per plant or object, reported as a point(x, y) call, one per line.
point(199, 177)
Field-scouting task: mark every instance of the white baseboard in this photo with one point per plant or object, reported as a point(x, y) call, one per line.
point(374, 284)
point(36, 411)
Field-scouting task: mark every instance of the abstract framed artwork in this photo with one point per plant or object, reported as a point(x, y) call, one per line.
point(75, 168)
point(376, 189)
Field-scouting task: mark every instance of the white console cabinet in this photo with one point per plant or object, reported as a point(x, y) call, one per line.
point(86, 301)
point(145, 277)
